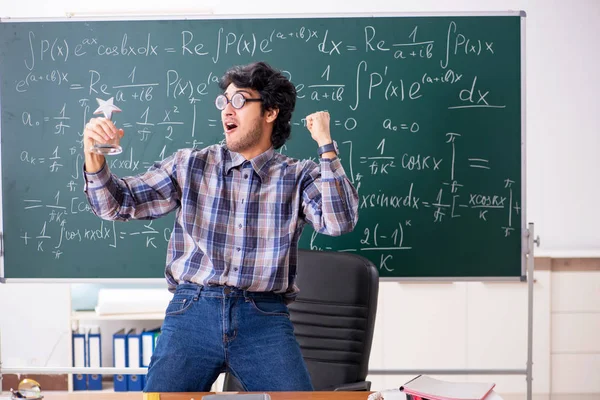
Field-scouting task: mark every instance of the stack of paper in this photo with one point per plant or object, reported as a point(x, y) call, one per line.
point(429, 388)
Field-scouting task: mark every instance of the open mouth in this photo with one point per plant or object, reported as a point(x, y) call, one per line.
point(230, 127)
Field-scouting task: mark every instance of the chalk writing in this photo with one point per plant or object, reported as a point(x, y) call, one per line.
point(427, 123)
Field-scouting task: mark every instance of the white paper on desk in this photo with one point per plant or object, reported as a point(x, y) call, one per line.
point(395, 394)
point(132, 301)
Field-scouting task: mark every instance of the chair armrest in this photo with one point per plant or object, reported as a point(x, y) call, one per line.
point(353, 387)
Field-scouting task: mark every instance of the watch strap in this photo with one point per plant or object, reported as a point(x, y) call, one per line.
point(327, 148)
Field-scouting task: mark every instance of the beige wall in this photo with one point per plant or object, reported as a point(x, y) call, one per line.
point(484, 325)
point(419, 325)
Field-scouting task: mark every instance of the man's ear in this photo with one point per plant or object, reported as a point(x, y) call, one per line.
point(271, 114)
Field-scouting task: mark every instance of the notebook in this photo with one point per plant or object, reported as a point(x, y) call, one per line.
point(429, 388)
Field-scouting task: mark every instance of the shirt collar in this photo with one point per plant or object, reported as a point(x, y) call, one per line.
point(259, 163)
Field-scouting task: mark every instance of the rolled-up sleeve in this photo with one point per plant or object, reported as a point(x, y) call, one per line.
point(329, 200)
point(146, 196)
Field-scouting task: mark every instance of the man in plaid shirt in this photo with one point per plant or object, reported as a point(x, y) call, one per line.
point(240, 210)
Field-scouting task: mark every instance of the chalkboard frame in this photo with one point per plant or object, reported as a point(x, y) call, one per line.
point(142, 17)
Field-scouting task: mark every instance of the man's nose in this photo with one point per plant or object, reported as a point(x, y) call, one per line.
point(229, 109)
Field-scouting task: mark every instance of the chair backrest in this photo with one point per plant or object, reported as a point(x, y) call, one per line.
point(334, 315)
point(333, 318)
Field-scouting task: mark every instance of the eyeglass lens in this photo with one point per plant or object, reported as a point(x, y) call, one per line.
point(237, 101)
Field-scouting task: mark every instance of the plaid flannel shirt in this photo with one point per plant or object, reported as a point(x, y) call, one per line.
point(238, 222)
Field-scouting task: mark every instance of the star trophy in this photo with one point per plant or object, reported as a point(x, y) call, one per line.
point(107, 108)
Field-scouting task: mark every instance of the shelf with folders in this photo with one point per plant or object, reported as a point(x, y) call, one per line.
point(124, 349)
point(126, 320)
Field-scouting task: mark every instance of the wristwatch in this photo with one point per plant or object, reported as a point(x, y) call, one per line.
point(328, 147)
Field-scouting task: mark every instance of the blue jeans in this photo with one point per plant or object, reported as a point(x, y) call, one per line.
point(209, 330)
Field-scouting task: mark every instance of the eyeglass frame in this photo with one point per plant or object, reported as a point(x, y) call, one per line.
point(227, 101)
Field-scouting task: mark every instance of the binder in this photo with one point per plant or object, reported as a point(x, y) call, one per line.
point(79, 360)
point(148, 345)
point(156, 335)
point(94, 359)
point(135, 382)
point(120, 359)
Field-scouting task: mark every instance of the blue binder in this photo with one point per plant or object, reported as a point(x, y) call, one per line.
point(120, 360)
point(79, 360)
point(135, 382)
point(94, 358)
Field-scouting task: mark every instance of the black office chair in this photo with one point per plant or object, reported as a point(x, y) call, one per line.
point(334, 319)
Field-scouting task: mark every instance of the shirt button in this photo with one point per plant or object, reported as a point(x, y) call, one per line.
point(245, 176)
point(240, 226)
point(238, 249)
point(235, 269)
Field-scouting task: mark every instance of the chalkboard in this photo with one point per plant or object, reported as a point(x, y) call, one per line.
point(427, 112)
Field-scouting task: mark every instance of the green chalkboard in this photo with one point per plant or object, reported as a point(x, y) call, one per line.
point(427, 111)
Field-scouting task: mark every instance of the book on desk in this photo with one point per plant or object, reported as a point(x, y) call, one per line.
point(424, 387)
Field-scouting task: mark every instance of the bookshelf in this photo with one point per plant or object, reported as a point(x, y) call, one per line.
point(108, 325)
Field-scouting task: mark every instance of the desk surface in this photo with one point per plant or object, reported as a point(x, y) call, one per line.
point(198, 396)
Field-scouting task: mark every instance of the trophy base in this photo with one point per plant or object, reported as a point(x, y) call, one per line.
point(107, 149)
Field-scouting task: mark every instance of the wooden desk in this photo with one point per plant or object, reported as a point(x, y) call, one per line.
point(198, 396)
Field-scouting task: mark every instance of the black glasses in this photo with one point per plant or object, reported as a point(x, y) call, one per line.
point(237, 101)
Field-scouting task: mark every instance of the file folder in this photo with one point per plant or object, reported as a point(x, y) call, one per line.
point(156, 336)
point(148, 345)
point(135, 383)
point(94, 359)
point(120, 360)
point(79, 360)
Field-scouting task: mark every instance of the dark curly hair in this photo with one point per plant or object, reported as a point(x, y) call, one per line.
point(276, 91)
